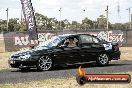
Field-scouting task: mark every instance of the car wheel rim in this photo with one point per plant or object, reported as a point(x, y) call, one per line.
point(45, 63)
point(103, 58)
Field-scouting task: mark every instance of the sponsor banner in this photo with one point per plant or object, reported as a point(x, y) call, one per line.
point(17, 40)
point(110, 36)
point(24, 40)
point(83, 78)
point(30, 18)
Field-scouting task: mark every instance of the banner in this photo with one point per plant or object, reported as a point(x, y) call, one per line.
point(83, 78)
point(29, 18)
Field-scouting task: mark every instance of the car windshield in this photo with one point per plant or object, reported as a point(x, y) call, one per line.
point(51, 42)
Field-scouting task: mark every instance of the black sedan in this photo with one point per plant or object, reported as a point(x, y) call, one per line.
point(68, 49)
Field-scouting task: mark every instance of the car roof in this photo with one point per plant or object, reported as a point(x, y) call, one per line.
point(66, 35)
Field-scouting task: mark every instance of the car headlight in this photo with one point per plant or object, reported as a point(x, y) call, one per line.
point(25, 57)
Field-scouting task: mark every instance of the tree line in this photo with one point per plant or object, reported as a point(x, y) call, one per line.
point(45, 23)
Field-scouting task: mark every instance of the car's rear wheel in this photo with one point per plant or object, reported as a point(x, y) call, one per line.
point(44, 63)
point(102, 59)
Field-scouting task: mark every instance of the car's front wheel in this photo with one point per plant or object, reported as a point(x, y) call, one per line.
point(102, 59)
point(44, 63)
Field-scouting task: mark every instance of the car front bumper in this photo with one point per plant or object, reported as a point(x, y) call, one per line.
point(115, 55)
point(22, 63)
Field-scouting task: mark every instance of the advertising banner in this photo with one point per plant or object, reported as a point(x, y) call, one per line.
point(28, 12)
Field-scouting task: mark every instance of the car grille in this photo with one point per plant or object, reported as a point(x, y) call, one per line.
point(14, 57)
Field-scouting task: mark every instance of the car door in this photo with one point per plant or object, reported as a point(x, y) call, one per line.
point(64, 54)
point(61, 54)
point(88, 49)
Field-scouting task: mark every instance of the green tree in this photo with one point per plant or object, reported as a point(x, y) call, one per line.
point(41, 21)
point(3, 25)
point(118, 26)
point(75, 25)
point(62, 24)
point(95, 24)
point(67, 24)
point(102, 22)
point(55, 24)
point(87, 24)
point(127, 25)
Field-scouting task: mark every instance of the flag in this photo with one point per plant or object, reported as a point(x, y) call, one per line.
point(28, 12)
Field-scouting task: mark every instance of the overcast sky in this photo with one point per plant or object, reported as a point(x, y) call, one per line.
point(71, 9)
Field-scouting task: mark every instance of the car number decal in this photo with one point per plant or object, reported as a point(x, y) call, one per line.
point(107, 46)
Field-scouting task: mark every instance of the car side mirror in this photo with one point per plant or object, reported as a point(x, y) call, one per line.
point(62, 46)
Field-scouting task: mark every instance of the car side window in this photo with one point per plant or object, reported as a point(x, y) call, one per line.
point(71, 42)
point(86, 39)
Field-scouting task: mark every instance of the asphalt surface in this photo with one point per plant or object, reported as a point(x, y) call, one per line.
point(17, 76)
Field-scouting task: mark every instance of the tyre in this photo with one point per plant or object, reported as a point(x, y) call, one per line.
point(102, 59)
point(44, 63)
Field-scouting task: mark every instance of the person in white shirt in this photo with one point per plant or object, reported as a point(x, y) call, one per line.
point(71, 42)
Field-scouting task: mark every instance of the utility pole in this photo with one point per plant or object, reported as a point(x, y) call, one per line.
point(84, 17)
point(131, 19)
point(118, 11)
point(60, 17)
point(7, 19)
point(21, 16)
point(2, 29)
point(107, 18)
point(129, 12)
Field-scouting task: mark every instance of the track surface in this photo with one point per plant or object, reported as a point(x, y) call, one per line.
point(16, 76)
